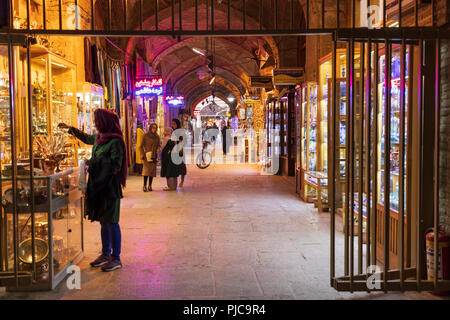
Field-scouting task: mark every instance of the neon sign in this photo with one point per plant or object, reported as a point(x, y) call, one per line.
point(152, 86)
point(175, 101)
point(154, 82)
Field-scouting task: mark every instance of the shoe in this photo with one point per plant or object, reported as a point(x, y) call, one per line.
point(149, 189)
point(114, 264)
point(181, 184)
point(101, 260)
point(144, 189)
point(167, 189)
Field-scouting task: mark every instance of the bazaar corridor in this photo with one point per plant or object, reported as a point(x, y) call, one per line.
point(230, 233)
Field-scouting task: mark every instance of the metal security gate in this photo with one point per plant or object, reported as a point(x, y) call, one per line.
point(385, 178)
point(391, 240)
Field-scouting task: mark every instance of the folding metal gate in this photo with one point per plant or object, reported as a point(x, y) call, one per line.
point(388, 237)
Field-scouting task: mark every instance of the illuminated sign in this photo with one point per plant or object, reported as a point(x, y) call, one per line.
point(152, 86)
point(264, 82)
point(153, 82)
point(252, 99)
point(175, 100)
point(287, 77)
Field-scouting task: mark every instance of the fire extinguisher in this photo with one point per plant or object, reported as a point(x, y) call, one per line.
point(443, 257)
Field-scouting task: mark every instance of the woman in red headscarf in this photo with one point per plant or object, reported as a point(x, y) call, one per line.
point(107, 175)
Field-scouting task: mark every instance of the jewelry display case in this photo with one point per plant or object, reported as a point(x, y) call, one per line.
point(393, 157)
point(53, 97)
point(273, 125)
point(286, 105)
point(309, 136)
point(299, 156)
point(58, 220)
point(317, 183)
point(5, 119)
point(89, 98)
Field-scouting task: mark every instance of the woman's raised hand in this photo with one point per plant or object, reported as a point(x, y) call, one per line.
point(62, 125)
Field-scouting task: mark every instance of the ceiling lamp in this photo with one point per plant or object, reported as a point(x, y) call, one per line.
point(231, 99)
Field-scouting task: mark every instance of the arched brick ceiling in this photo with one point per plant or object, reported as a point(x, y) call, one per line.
point(204, 91)
point(188, 20)
point(232, 54)
point(190, 79)
point(191, 82)
point(184, 60)
point(197, 64)
point(179, 65)
point(175, 58)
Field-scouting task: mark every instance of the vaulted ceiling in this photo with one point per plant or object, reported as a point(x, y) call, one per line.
point(236, 59)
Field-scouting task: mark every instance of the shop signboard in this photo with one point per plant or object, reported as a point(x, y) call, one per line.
point(252, 99)
point(152, 86)
point(287, 77)
point(264, 82)
point(174, 100)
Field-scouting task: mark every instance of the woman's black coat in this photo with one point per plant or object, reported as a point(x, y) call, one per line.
point(168, 168)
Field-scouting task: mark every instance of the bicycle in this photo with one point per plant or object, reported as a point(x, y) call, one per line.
point(204, 159)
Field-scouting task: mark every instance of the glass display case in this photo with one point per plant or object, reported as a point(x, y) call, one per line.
point(305, 132)
point(322, 116)
point(5, 128)
point(298, 141)
point(395, 128)
point(89, 97)
point(53, 96)
point(284, 133)
point(316, 183)
point(58, 228)
point(273, 125)
point(277, 122)
point(312, 129)
point(380, 154)
point(308, 135)
point(286, 107)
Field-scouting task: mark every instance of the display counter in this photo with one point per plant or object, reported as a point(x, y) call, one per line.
point(58, 224)
point(316, 188)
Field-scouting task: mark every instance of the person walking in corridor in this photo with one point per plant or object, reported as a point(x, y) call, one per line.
point(169, 169)
point(149, 149)
point(107, 175)
point(182, 170)
point(226, 137)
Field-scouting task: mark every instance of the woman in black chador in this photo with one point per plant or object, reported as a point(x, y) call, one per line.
point(169, 169)
point(181, 167)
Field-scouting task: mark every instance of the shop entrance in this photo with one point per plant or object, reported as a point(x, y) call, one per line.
point(376, 108)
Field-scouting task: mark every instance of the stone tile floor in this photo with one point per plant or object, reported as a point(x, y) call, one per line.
point(230, 233)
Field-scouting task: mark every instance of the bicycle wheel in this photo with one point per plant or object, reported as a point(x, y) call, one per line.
point(204, 160)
